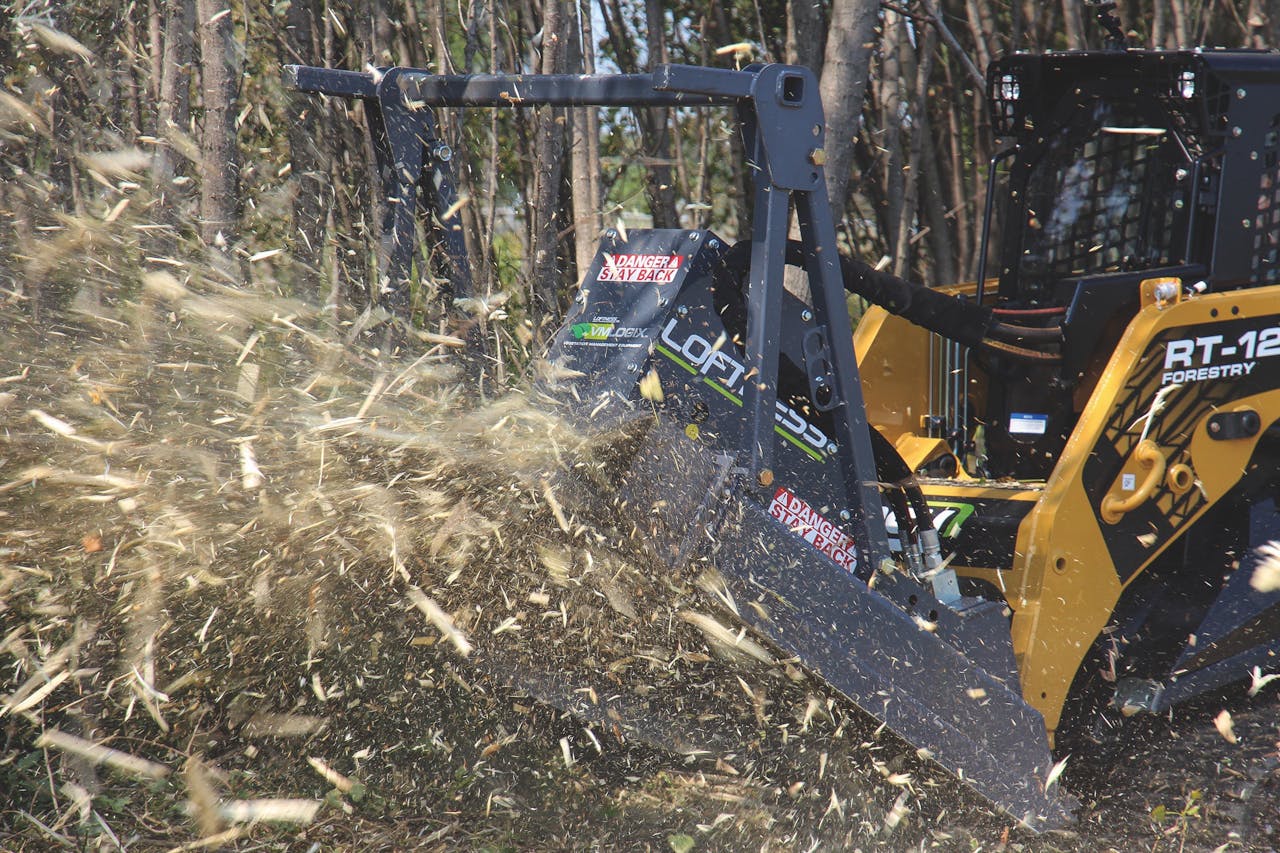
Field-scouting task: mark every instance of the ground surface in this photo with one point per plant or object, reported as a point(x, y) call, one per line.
point(260, 591)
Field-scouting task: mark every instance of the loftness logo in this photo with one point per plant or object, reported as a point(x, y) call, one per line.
point(725, 374)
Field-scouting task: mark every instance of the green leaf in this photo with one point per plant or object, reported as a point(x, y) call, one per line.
point(357, 792)
point(680, 843)
point(1159, 813)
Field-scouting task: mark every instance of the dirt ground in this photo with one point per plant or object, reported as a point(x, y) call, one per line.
point(262, 591)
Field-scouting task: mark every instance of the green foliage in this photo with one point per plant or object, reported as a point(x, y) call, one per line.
point(1170, 822)
point(681, 842)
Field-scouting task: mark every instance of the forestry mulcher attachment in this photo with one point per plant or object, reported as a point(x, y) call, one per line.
point(998, 507)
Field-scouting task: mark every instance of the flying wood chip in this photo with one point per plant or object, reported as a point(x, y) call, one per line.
point(1225, 726)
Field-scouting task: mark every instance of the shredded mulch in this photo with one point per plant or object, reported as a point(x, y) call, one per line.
point(264, 588)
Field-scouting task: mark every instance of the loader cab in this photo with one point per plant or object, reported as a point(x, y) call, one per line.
point(1118, 167)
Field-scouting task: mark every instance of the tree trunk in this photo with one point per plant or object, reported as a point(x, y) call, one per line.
point(915, 162)
point(894, 45)
point(941, 241)
point(845, 71)
point(219, 155)
point(1073, 24)
point(980, 29)
point(1181, 30)
point(155, 46)
point(173, 110)
point(804, 34)
point(549, 149)
point(298, 44)
point(586, 150)
point(1263, 21)
point(662, 189)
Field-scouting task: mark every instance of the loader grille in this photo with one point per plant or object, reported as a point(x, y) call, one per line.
point(1265, 267)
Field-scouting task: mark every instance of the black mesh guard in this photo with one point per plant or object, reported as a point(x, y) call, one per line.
point(1101, 198)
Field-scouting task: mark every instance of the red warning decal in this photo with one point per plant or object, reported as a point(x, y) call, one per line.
point(806, 522)
point(647, 269)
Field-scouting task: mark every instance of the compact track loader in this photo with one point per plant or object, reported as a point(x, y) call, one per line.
point(998, 507)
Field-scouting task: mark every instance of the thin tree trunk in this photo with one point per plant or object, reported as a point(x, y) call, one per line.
point(895, 44)
point(804, 34)
point(586, 151)
point(1073, 24)
point(132, 78)
point(716, 31)
point(305, 155)
point(173, 110)
point(662, 190)
point(654, 130)
point(1256, 21)
point(979, 28)
point(919, 129)
point(219, 154)
point(1181, 19)
point(1017, 26)
point(155, 46)
point(941, 242)
point(381, 33)
point(845, 72)
point(549, 150)
point(1159, 26)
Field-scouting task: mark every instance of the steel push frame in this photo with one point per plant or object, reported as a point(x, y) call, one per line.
point(780, 116)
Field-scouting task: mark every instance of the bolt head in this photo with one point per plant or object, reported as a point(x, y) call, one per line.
point(806, 315)
point(845, 515)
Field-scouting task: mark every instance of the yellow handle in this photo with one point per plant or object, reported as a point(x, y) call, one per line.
point(1148, 455)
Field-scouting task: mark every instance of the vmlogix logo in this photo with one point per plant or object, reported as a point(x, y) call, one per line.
point(598, 332)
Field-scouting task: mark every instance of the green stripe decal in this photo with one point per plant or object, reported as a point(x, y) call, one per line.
point(677, 359)
point(791, 438)
point(737, 401)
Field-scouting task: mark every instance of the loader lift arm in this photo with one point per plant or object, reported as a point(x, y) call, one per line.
point(949, 687)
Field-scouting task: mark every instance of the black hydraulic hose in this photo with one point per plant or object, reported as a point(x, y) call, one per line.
point(1030, 312)
point(1025, 334)
point(896, 497)
point(957, 319)
point(1000, 348)
point(950, 316)
point(891, 468)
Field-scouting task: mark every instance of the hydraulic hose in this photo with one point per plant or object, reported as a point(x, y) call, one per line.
point(957, 319)
point(906, 498)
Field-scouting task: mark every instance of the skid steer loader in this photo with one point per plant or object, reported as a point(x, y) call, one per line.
point(998, 506)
